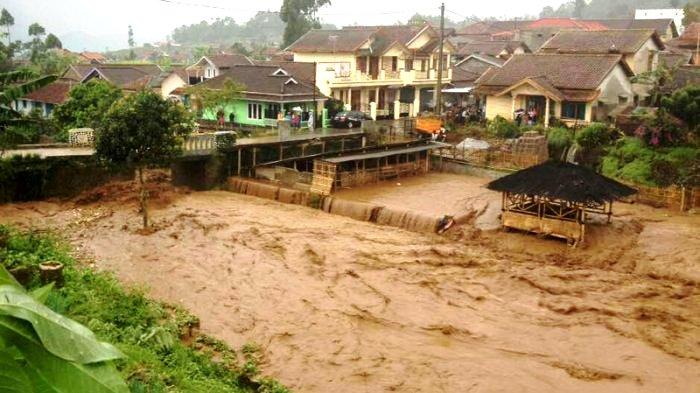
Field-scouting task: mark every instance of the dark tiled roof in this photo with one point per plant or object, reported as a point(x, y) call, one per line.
point(490, 48)
point(493, 27)
point(261, 84)
point(346, 40)
point(566, 23)
point(299, 70)
point(79, 71)
point(672, 59)
point(229, 60)
point(660, 25)
point(127, 76)
point(563, 71)
point(623, 41)
point(53, 93)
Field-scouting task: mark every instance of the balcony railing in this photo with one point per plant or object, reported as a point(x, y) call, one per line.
point(389, 75)
point(422, 74)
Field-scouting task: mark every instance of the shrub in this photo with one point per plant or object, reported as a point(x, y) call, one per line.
point(499, 127)
point(660, 130)
point(638, 171)
point(558, 141)
point(685, 104)
point(593, 136)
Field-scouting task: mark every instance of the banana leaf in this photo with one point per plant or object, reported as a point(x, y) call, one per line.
point(7, 78)
point(13, 92)
point(13, 379)
point(49, 373)
point(61, 336)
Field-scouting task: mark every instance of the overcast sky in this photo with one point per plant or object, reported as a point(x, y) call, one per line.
point(106, 20)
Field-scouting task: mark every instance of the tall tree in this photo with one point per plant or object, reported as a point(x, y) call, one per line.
point(131, 43)
point(36, 44)
point(579, 6)
point(691, 14)
point(7, 21)
point(300, 17)
point(143, 130)
point(52, 42)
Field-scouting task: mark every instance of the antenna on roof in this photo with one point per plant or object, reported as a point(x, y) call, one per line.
point(613, 49)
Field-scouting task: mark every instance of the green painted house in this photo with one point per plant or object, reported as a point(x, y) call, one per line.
point(271, 92)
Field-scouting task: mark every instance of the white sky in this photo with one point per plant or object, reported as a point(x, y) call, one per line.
point(152, 20)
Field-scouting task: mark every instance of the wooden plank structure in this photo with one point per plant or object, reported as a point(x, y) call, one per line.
point(555, 198)
point(354, 170)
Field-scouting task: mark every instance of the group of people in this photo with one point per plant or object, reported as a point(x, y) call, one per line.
point(464, 114)
point(529, 116)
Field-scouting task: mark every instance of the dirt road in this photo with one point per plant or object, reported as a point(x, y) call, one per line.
point(345, 306)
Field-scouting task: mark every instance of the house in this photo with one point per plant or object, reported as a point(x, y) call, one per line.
point(575, 88)
point(43, 99)
point(665, 28)
point(639, 48)
point(466, 73)
point(92, 58)
point(498, 49)
point(77, 72)
point(688, 42)
point(212, 66)
point(665, 13)
point(381, 70)
point(268, 92)
point(130, 77)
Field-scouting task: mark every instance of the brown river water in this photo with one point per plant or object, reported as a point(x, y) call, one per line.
point(343, 305)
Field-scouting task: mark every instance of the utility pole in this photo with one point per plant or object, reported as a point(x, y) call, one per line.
point(438, 87)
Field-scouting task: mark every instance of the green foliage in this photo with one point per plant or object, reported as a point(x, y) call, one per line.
point(499, 127)
point(691, 14)
point(630, 159)
point(660, 129)
point(215, 99)
point(49, 352)
point(685, 105)
point(558, 141)
point(593, 136)
point(87, 105)
point(143, 130)
point(148, 333)
point(300, 17)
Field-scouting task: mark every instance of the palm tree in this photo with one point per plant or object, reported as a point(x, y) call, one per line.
point(14, 85)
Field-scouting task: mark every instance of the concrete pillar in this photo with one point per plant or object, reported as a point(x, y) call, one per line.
point(512, 110)
point(416, 102)
point(348, 105)
point(373, 110)
point(397, 109)
point(239, 162)
point(546, 113)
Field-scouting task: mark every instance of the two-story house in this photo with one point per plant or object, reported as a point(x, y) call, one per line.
point(387, 71)
point(639, 49)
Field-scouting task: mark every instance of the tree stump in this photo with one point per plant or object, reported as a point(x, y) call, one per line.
point(51, 271)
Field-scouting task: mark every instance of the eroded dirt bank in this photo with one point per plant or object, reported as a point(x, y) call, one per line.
point(345, 306)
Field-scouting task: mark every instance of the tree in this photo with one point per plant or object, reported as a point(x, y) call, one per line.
point(579, 6)
point(87, 105)
point(14, 85)
point(691, 14)
point(300, 17)
point(52, 42)
point(215, 100)
point(132, 54)
point(547, 12)
point(7, 21)
point(43, 351)
point(36, 44)
point(143, 130)
point(685, 105)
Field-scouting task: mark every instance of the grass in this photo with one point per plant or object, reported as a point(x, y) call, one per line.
point(164, 352)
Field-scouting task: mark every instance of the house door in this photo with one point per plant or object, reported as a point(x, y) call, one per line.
point(540, 105)
point(374, 67)
point(355, 100)
point(382, 99)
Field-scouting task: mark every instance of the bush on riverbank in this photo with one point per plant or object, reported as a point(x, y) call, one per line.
point(164, 351)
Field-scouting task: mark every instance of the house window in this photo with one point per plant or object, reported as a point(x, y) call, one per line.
point(409, 64)
point(254, 111)
point(394, 63)
point(622, 99)
point(24, 104)
point(573, 110)
point(49, 109)
point(272, 111)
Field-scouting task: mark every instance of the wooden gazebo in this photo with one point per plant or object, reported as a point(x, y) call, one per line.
point(554, 198)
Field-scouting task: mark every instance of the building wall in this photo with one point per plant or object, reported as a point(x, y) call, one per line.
point(499, 106)
point(172, 82)
point(640, 61)
point(240, 110)
point(328, 65)
point(27, 106)
point(667, 13)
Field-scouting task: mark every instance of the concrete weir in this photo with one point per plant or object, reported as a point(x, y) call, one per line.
point(360, 211)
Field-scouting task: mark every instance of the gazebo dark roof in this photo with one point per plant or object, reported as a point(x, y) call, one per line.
point(562, 180)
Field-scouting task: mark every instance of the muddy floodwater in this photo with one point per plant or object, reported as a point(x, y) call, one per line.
point(339, 305)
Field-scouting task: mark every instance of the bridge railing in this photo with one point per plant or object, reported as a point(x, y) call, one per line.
point(199, 143)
